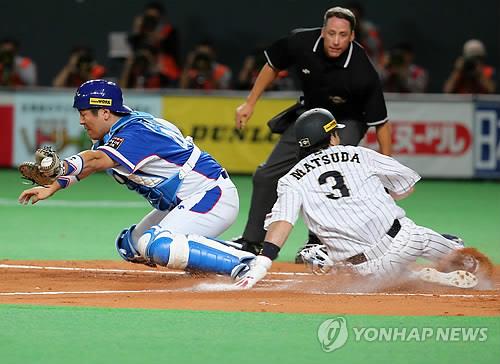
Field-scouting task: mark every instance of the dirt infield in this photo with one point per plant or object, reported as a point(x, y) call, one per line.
point(289, 288)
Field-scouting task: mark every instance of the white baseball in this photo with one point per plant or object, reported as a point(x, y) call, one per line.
point(46, 162)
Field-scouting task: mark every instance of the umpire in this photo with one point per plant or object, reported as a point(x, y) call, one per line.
point(335, 74)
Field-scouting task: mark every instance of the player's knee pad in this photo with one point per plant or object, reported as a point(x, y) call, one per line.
point(125, 246)
point(191, 252)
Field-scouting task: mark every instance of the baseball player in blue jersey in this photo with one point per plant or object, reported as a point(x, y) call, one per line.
point(339, 190)
point(193, 198)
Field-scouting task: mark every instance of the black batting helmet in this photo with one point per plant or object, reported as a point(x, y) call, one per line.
point(313, 128)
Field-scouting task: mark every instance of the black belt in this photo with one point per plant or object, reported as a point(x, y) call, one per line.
point(357, 259)
point(361, 257)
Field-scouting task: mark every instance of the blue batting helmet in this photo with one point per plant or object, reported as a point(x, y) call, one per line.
point(96, 94)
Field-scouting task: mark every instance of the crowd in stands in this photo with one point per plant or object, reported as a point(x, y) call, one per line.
point(15, 70)
point(155, 62)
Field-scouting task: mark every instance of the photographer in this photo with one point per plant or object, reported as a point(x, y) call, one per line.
point(150, 31)
point(141, 70)
point(252, 65)
point(368, 35)
point(203, 72)
point(80, 67)
point(400, 74)
point(15, 70)
point(470, 74)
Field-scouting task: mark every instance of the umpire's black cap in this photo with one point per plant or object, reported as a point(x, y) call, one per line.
point(314, 128)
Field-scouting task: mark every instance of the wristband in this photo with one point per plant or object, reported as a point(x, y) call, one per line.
point(66, 181)
point(74, 165)
point(270, 250)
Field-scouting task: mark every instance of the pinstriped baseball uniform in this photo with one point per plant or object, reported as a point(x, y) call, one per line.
point(340, 192)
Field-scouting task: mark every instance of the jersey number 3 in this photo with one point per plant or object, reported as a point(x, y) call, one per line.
point(339, 188)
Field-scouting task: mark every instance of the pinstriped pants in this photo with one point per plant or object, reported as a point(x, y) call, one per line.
point(393, 255)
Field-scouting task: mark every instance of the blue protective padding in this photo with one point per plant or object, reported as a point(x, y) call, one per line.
point(162, 197)
point(208, 259)
point(201, 257)
point(124, 245)
point(158, 251)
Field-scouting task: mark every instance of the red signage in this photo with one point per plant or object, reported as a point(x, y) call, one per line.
point(445, 138)
point(6, 135)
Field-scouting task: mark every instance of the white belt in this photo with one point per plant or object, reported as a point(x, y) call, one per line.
point(191, 162)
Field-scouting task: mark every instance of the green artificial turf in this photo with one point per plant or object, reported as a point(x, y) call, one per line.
point(470, 209)
point(61, 335)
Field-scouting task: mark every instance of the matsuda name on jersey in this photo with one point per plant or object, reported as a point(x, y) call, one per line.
point(303, 168)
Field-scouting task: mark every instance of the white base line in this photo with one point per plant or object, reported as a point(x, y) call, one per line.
point(395, 294)
point(183, 290)
point(56, 293)
point(91, 270)
point(81, 204)
point(133, 271)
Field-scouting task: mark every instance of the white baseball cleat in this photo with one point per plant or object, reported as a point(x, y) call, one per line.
point(458, 278)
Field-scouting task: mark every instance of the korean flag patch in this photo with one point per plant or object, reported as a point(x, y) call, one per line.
point(115, 142)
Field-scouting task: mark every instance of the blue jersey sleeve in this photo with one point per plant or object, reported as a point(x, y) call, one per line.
point(135, 143)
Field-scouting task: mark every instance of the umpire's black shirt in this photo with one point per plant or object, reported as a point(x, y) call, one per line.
point(348, 86)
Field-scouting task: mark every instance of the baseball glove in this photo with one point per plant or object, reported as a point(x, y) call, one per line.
point(46, 168)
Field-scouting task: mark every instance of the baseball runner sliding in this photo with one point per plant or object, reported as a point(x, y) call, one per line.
point(340, 191)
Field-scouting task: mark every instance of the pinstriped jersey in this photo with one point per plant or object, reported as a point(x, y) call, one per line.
point(340, 193)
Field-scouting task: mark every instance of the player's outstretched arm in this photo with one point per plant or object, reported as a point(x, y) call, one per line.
point(36, 194)
point(276, 236)
point(94, 161)
point(75, 168)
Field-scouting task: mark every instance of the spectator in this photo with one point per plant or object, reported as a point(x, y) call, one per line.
point(141, 70)
point(81, 67)
point(15, 70)
point(202, 71)
point(471, 75)
point(367, 34)
point(401, 74)
point(252, 65)
point(151, 30)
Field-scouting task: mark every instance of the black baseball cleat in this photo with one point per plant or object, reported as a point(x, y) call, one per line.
point(248, 246)
point(454, 238)
point(312, 241)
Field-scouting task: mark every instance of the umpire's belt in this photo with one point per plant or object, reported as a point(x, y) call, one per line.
point(361, 257)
